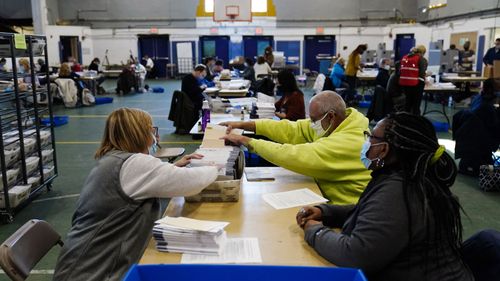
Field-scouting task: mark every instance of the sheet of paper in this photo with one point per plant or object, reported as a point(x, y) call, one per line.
point(294, 198)
point(213, 135)
point(258, 175)
point(236, 250)
point(187, 223)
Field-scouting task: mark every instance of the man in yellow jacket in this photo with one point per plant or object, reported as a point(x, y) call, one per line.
point(326, 147)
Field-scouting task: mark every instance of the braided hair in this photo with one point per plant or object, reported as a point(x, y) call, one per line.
point(427, 177)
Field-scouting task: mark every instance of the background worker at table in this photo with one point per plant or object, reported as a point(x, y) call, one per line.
point(325, 147)
point(291, 105)
point(354, 65)
point(492, 54)
point(466, 57)
point(412, 78)
point(191, 86)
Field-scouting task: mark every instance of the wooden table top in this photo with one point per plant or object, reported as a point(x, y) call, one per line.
point(281, 241)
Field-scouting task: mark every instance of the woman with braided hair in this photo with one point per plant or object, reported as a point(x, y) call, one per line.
point(406, 224)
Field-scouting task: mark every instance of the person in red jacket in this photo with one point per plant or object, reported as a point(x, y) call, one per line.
point(291, 105)
point(412, 78)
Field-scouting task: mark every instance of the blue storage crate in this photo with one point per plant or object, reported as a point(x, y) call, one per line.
point(102, 100)
point(198, 272)
point(58, 120)
point(441, 126)
point(364, 104)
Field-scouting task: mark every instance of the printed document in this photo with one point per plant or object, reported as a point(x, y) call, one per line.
point(294, 198)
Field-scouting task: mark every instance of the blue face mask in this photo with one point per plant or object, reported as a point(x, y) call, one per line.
point(367, 162)
point(21, 69)
point(153, 148)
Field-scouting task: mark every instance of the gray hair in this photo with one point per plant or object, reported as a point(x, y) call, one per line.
point(329, 100)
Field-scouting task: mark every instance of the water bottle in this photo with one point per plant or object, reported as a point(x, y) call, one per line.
point(450, 101)
point(205, 111)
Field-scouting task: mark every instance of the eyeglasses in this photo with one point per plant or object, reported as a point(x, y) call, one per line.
point(370, 136)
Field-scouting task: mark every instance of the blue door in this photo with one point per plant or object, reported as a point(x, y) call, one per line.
point(157, 47)
point(291, 50)
point(215, 46)
point(253, 46)
point(315, 45)
point(402, 45)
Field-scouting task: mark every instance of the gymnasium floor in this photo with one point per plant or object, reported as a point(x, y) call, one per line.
point(77, 141)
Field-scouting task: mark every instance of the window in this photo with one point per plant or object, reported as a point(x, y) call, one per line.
point(258, 6)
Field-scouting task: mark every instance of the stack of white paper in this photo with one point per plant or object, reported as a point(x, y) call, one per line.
point(184, 235)
point(265, 110)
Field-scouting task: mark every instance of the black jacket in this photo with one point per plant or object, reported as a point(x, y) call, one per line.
point(375, 236)
point(182, 113)
point(382, 77)
point(191, 87)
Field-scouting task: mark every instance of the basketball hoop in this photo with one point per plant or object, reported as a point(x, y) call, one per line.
point(232, 11)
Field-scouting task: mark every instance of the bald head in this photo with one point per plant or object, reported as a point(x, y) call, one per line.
point(327, 101)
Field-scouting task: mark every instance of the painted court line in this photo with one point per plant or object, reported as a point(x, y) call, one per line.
point(98, 142)
point(56, 198)
point(106, 116)
point(40, 271)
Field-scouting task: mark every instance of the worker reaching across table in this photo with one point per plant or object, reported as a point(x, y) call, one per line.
point(325, 147)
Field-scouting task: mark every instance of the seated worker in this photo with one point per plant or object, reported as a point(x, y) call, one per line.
point(210, 63)
point(119, 204)
point(3, 61)
point(94, 66)
point(291, 105)
point(25, 70)
point(477, 131)
point(42, 66)
point(75, 66)
point(383, 73)
point(338, 74)
point(325, 147)
point(261, 67)
point(249, 72)
point(218, 67)
point(406, 225)
point(191, 86)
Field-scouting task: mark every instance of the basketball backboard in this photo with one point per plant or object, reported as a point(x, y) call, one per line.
point(232, 10)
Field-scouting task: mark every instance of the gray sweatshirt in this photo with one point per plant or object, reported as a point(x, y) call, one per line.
point(375, 236)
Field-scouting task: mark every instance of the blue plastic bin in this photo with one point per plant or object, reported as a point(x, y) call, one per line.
point(187, 272)
point(58, 120)
point(364, 104)
point(101, 100)
point(158, 90)
point(441, 126)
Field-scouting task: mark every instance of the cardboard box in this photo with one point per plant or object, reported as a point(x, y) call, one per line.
point(223, 190)
point(492, 71)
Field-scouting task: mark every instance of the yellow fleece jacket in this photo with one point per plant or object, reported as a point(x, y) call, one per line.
point(333, 161)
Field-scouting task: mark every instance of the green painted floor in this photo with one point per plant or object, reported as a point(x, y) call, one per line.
point(77, 141)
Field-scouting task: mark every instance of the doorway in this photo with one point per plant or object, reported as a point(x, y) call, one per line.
point(402, 45)
point(70, 46)
point(254, 46)
point(216, 47)
point(157, 47)
point(315, 45)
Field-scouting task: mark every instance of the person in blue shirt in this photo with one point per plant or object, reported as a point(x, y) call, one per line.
point(492, 54)
point(338, 74)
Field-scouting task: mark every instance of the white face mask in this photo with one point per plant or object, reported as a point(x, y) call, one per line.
point(367, 162)
point(316, 126)
point(387, 67)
